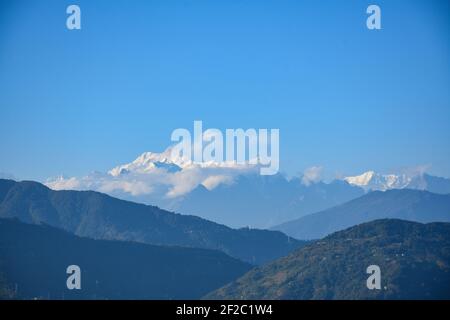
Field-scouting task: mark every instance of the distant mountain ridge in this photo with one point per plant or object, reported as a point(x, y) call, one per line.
point(272, 200)
point(34, 259)
point(265, 201)
point(414, 260)
point(413, 205)
point(372, 181)
point(99, 216)
point(176, 184)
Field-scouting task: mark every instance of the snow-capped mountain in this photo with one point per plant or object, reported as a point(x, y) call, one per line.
point(371, 181)
point(149, 161)
point(155, 176)
point(206, 189)
point(232, 194)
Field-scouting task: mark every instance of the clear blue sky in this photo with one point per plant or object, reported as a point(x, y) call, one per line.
point(344, 97)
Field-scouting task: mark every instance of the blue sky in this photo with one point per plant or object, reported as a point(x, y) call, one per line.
point(344, 97)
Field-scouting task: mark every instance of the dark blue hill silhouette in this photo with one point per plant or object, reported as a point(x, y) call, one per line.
point(33, 262)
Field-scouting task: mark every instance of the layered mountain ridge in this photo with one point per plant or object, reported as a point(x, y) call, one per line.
point(99, 216)
point(34, 260)
point(175, 183)
point(407, 204)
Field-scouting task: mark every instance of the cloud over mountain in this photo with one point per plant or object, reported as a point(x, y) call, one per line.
point(312, 174)
point(160, 174)
point(205, 189)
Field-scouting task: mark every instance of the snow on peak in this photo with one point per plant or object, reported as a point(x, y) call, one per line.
point(371, 180)
point(361, 180)
point(150, 161)
point(156, 176)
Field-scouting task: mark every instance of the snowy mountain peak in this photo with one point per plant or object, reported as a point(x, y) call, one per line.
point(361, 180)
point(371, 180)
point(150, 161)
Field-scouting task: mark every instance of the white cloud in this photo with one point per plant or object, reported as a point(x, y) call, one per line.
point(213, 181)
point(61, 183)
point(312, 175)
point(135, 188)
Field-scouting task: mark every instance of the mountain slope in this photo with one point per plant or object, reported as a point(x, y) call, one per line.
point(33, 262)
point(414, 205)
point(98, 216)
point(414, 260)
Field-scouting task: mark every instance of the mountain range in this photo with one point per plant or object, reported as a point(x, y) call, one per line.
point(265, 201)
point(99, 216)
point(204, 189)
point(413, 205)
point(413, 259)
point(371, 181)
point(135, 251)
point(34, 260)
